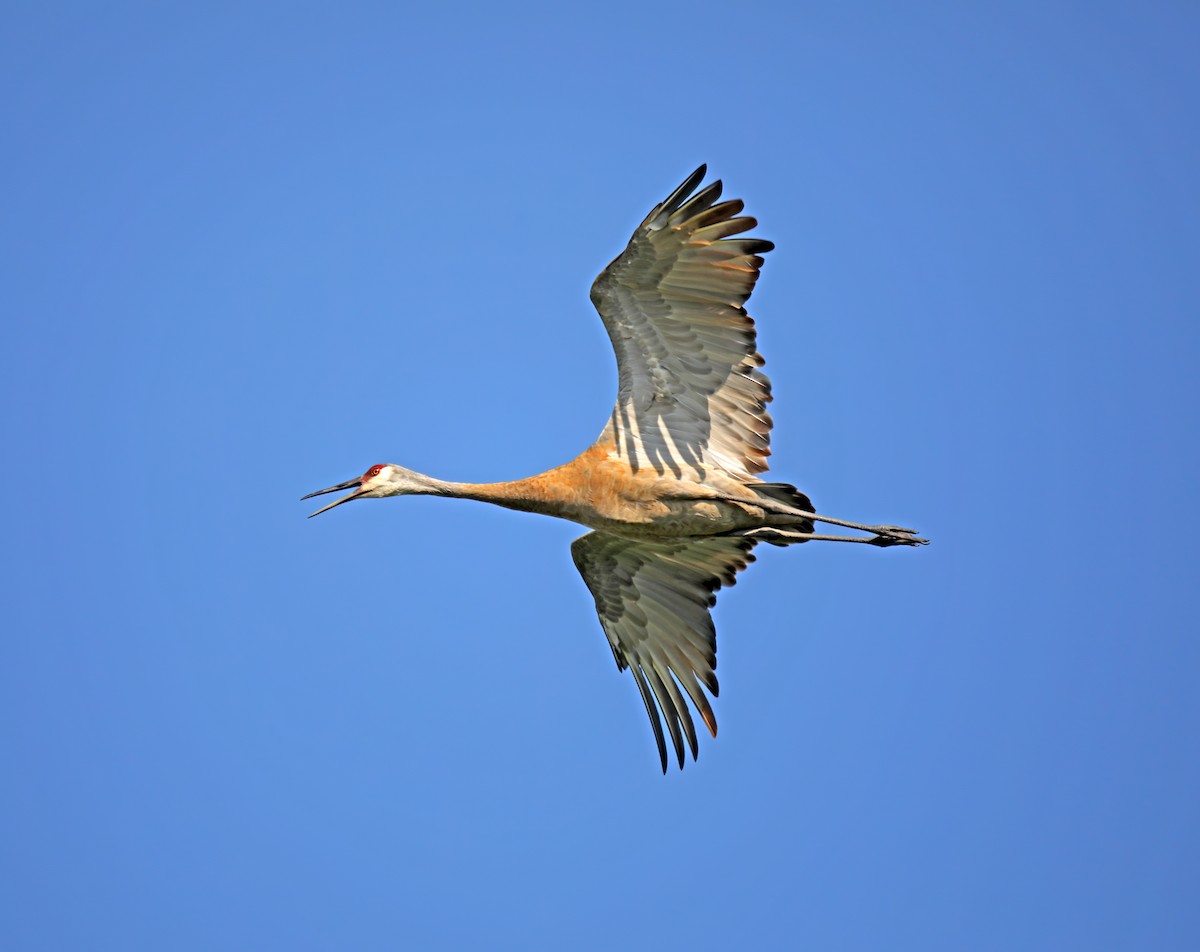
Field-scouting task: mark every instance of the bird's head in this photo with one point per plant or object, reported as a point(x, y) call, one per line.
point(383, 479)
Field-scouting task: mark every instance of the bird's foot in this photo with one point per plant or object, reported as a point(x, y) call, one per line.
point(886, 540)
point(895, 535)
point(891, 530)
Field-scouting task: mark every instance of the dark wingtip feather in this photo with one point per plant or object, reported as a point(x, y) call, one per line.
point(667, 703)
point(652, 711)
point(701, 201)
point(755, 246)
point(679, 196)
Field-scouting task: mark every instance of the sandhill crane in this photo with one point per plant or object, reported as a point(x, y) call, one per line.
point(670, 489)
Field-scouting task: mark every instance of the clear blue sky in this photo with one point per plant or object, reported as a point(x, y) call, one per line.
point(248, 251)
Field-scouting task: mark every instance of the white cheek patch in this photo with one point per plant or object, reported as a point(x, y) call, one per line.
point(378, 481)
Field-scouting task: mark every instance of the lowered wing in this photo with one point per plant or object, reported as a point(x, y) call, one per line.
point(653, 599)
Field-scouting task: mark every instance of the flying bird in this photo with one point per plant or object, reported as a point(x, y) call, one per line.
point(671, 489)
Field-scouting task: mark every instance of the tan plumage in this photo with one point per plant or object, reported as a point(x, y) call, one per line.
point(671, 486)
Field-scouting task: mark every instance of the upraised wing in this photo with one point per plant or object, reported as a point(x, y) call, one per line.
point(690, 395)
point(653, 599)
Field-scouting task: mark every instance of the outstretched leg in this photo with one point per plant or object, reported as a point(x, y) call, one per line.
point(776, 536)
point(900, 535)
point(895, 532)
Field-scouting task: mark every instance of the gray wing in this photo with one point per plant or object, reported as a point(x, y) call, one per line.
point(653, 599)
point(690, 393)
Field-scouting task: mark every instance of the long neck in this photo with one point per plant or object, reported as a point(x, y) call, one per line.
point(528, 495)
point(570, 491)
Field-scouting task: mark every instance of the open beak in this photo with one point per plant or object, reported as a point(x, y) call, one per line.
point(358, 491)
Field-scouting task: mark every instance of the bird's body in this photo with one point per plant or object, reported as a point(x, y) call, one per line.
point(597, 489)
point(670, 489)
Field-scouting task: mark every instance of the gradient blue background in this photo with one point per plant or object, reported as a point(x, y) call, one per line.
point(249, 251)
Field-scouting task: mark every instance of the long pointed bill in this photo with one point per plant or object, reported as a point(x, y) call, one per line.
point(356, 483)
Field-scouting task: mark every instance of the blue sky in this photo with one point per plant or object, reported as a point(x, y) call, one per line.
point(247, 252)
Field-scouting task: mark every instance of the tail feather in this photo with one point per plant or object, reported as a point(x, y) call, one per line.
point(788, 495)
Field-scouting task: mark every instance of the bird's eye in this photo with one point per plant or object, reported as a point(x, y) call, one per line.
point(373, 472)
